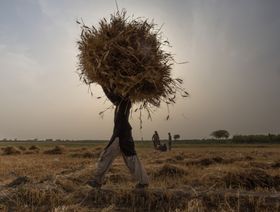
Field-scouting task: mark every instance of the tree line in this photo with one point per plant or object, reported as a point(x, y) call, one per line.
point(270, 138)
point(249, 139)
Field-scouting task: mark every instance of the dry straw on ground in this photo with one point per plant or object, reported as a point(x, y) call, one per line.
point(22, 148)
point(35, 148)
point(10, 150)
point(125, 55)
point(57, 150)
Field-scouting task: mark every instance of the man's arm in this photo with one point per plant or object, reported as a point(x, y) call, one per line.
point(115, 99)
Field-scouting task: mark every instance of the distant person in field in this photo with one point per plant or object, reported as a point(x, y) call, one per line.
point(169, 141)
point(121, 142)
point(156, 140)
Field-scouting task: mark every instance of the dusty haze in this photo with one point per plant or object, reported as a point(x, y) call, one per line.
point(233, 74)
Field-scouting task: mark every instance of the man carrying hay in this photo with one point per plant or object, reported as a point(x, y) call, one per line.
point(120, 142)
point(125, 57)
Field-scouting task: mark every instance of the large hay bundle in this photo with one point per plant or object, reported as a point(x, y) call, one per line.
point(126, 56)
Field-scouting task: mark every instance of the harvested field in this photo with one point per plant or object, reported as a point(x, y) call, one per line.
point(185, 179)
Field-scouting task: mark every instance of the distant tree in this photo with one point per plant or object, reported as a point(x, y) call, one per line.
point(220, 134)
point(176, 136)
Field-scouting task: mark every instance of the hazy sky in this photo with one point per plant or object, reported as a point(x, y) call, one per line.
point(233, 74)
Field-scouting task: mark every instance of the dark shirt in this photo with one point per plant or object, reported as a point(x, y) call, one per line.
point(156, 139)
point(122, 128)
point(169, 138)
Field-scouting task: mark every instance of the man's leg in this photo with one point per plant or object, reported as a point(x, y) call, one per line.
point(136, 169)
point(105, 161)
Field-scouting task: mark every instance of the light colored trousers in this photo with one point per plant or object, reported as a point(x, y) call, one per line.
point(132, 162)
